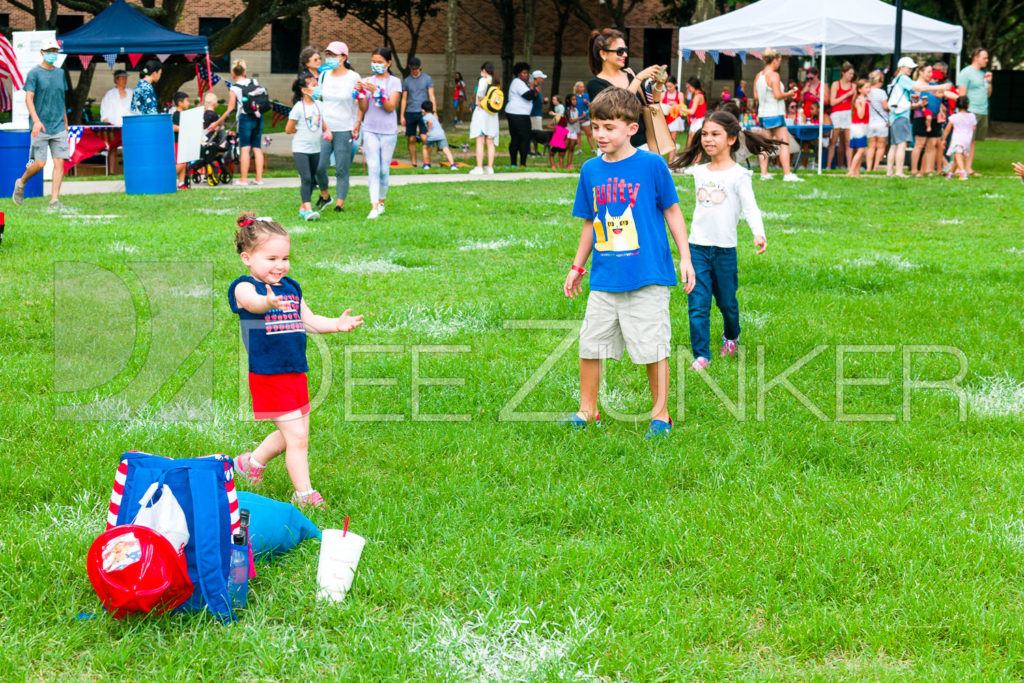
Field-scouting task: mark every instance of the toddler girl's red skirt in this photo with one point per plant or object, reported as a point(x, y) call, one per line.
point(277, 395)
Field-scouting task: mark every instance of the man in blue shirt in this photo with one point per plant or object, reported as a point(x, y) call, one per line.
point(44, 98)
point(976, 83)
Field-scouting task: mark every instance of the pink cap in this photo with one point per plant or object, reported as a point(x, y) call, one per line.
point(338, 48)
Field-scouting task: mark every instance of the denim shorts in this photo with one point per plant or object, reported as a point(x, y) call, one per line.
point(770, 122)
point(250, 131)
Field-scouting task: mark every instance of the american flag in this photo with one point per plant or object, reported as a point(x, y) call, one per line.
point(8, 71)
point(201, 70)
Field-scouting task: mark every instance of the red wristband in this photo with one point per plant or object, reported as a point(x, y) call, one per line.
point(577, 269)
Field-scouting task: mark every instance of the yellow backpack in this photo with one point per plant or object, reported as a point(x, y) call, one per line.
point(493, 100)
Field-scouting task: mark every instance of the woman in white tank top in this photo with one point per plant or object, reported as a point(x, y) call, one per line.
point(771, 111)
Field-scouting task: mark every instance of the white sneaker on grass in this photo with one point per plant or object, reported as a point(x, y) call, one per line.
point(766, 176)
point(380, 208)
point(373, 213)
point(489, 170)
point(477, 170)
point(792, 178)
point(19, 192)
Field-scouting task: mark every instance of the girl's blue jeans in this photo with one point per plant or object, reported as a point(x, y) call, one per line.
point(718, 277)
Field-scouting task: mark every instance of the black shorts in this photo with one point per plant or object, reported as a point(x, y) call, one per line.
point(414, 124)
point(920, 130)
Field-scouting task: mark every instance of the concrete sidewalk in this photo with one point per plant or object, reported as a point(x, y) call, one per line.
point(117, 186)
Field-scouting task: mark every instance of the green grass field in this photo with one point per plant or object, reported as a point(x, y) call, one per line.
point(789, 543)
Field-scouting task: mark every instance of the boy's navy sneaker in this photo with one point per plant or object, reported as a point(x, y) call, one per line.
point(659, 428)
point(574, 421)
point(426, 167)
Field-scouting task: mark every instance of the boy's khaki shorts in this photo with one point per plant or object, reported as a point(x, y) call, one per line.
point(637, 321)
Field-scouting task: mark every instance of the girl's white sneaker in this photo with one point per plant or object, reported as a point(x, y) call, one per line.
point(373, 213)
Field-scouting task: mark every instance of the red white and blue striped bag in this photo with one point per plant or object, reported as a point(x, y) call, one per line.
point(205, 489)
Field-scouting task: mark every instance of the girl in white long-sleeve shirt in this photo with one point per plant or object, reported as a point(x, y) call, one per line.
point(723, 190)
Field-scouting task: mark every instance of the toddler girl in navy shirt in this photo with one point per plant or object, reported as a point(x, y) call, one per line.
point(275, 319)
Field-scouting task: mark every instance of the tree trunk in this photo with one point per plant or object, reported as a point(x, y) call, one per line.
point(529, 29)
point(508, 42)
point(450, 46)
point(175, 74)
point(705, 72)
point(556, 67)
point(304, 37)
point(80, 94)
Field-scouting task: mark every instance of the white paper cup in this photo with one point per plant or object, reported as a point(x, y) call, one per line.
point(339, 558)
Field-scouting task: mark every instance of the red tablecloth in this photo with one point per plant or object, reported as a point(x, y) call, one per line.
point(86, 141)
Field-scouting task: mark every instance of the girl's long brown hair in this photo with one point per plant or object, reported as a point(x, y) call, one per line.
point(756, 143)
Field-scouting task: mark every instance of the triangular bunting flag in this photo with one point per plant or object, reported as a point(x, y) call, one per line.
point(743, 56)
point(756, 54)
point(191, 57)
point(701, 55)
point(797, 51)
point(686, 54)
point(728, 53)
point(85, 59)
point(110, 59)
point(784, 51)
point(163, 57)
point(809, 50)
point(714, 56)
point(133, 58)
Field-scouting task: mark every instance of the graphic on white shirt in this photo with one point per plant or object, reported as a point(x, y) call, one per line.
point(710, 193)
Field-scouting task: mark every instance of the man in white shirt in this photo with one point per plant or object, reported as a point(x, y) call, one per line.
point(117, 102)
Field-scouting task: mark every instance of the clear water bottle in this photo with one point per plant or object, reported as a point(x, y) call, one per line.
point(238, 573)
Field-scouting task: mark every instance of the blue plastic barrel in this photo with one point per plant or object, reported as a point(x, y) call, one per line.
point(149, 164)
point(14, 146)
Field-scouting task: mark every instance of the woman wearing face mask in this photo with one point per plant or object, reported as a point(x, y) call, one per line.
point(379, 98)
point(144, 96)
point(342, 116)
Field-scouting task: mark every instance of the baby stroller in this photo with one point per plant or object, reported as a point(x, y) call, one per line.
point(217, 158)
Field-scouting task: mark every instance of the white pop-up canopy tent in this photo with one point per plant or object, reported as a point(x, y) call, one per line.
point(817, 27)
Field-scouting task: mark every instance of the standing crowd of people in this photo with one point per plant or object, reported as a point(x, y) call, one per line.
point(336, 112)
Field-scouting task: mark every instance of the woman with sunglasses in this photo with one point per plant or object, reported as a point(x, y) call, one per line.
point(607, 56)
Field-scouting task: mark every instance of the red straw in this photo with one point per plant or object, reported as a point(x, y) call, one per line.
point(345, 529)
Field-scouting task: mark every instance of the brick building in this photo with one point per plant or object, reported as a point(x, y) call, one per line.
point(272, 55)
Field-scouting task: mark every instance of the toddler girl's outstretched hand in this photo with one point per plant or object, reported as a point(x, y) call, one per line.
point(1018, 168)
point(276, 302)
point(347, 323)
point(761, 244)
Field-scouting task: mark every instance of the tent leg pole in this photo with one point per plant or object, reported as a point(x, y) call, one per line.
point(679, 62)
point(957, 66)
point(821, 104)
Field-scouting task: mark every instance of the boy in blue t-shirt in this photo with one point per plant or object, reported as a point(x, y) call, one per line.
point(625, 198)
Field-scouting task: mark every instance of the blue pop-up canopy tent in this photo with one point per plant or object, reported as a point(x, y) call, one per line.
point(122, 30)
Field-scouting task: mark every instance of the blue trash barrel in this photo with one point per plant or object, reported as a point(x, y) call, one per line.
point(14, 146)
point(148, 145)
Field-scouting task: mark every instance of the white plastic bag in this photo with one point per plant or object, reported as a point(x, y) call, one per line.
point(165, 516)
